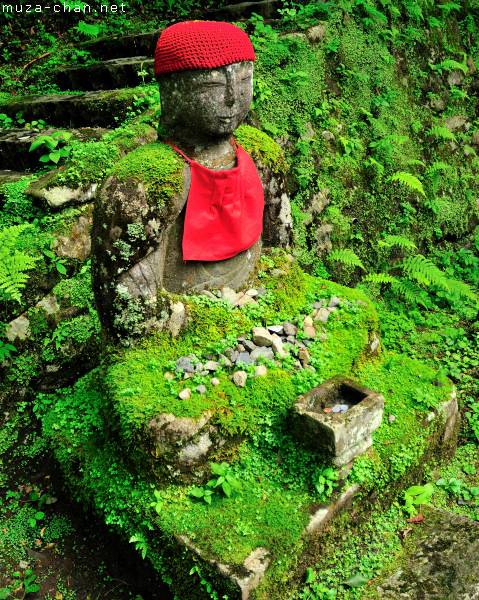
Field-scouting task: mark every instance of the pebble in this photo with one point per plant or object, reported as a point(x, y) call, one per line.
point(289, 329)
point(332, 309)
point(308, 322)
point(277, 346)
point(252, 293)
point(229, 294)
point(334, 301)
point(239, 378)
point(188, 375)
point(168, 375)
point(184, 364)
point(244, 357)
point(291, 339)
point(224, 360)
point(264, 351)
point(323, 337)
point(240, 348)
point(201, 389)
point(304, 356)
point(248, 344)
point(261, 336)
point(246, 299)
point(185, 394)
point(322, 315)
point(212, 365)
point(310, 331)
point(215, 381)
point(278, 329)
point(260, 371)
point(199, 367)
point(208, 294)
point(391, 418)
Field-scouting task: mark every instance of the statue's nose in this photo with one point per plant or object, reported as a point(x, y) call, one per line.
point(230, 94)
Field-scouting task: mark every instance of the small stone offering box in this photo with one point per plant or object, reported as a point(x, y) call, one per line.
point(338, 418)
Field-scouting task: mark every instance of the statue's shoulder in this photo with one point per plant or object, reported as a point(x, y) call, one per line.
point(261, 147)
point(155, 167)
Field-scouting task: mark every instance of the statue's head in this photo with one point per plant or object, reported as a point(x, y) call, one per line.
point(205, 73)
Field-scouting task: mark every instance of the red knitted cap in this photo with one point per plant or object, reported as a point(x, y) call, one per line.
point(201, 45)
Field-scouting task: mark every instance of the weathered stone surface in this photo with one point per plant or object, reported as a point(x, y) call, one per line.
point(441, 562)
point(289, 329)
point(261, 336)
point(228, 294)
point(260, 371)
point(185, 394)
point(457, 122)
point(345, 435)
point(78, 243)
point(323, 238)
point(264, 351)
point(240, 378)
point(106, 75)
point(19, 329)
point(316, 34)
point(118, 46)
point(277, 346)
point(7, 176)
point(177, 318)
point(75, 110)
point(185, 364)
point(322, 315)
point(244, 358)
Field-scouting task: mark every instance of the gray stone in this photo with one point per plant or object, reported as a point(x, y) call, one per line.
point(244, 358)
point(328, 135)
point(320, 201)
point(211, 365)
point(177, 318)
point(310, 331)
point(322, 315)
point(341, 437)
point(260, 371)
point(49, 304)
point(265, 352)
point(334, 301)
point(391, 418)
point(229, 294)
point(214, 381)
point(278, 329)
point(316, 34)
point(208, 294)
point(78, 244)
point(456, 123)
point(185, 394)
point(289, 329)
point(224, 360)
point(239, 378)
point(106, 75)
point(201, 389)
point(374, 343)
point(249, 345)
point(291, 339)
point(455, 78)
point(184, 364)
point(245, 299)
point(304, 357)
point(261, 336)
point(323, 238)
point(199, 367)
point(277, 346)
point(441, 561)
point(253, 293)
point(19, 329)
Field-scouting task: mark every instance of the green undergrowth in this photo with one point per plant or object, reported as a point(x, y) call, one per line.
point(276, 474)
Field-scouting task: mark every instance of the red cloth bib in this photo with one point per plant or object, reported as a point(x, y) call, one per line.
point(224, 212)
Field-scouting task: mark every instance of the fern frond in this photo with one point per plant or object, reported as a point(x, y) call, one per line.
point(398, 240)
point(450, 65)
point(441, 133)
point(346, 256)
point(14, 264)
point(413, 162)
point(408, 180)
point(409, 290)
point(379, 278)
point(438, 166)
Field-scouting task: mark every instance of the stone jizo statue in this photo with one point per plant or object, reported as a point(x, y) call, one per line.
point(186, 213)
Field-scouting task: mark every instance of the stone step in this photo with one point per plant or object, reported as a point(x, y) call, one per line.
point(137, 44)
point(268, 9)
point(10, 176)
point(106, 75)
point(93, 109)
point(15, 145)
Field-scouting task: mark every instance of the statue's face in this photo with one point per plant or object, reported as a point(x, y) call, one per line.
point(209, 103)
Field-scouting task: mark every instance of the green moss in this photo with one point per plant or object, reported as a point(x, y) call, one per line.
point(128, 138)
point(155, 165)
point(261, 147)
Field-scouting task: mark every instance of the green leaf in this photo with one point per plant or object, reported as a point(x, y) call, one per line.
point(356, 581)
point(310, 575)
point(55, 156)
point(61, 268)
point(45, 158)
point(35, 144)
point(226, 488)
